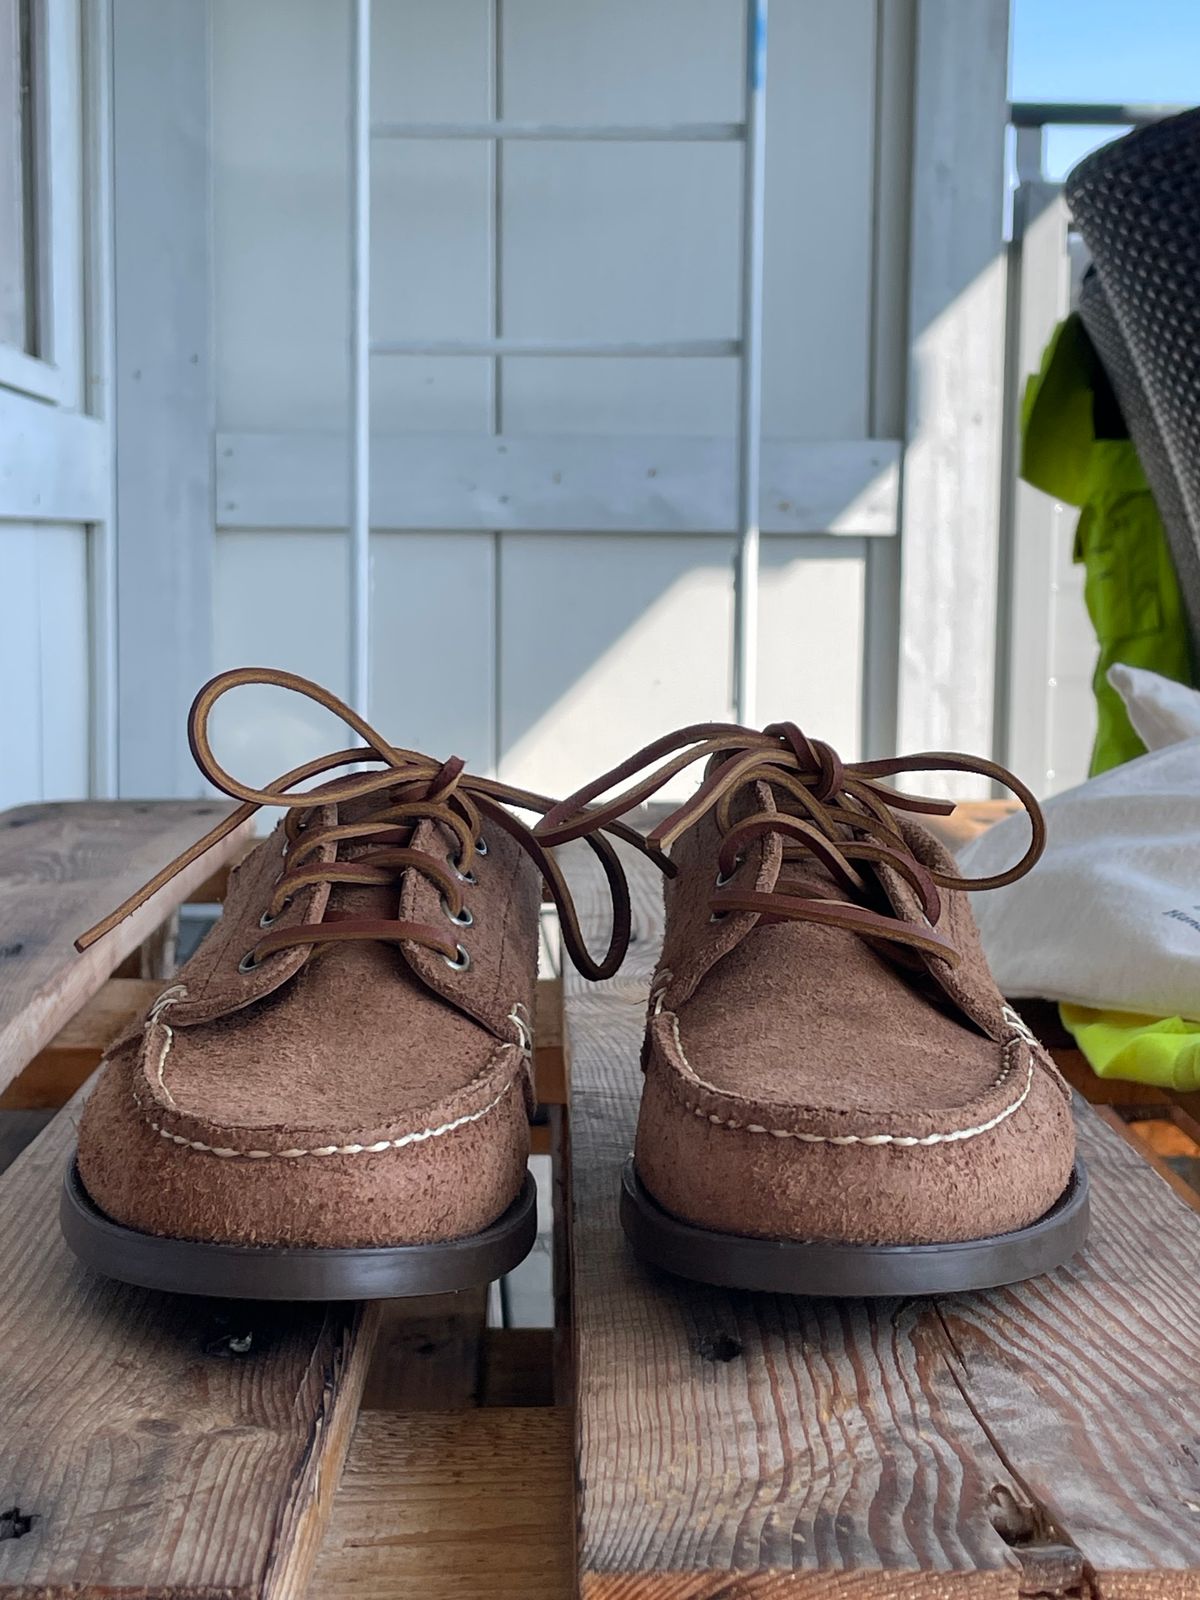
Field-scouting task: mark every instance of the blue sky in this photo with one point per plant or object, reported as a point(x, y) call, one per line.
point(1103, 50)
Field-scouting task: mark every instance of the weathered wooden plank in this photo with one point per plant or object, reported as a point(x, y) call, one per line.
point(1083, 1379)
point(74, 1053)
point(62, 867)
point(517, 1367)
point(999, 1444)
point(427, 1354)
point(549, 1043)
point(1139, 1137)
point(159, 1444)
point(465, 1505)
point(19, 1128)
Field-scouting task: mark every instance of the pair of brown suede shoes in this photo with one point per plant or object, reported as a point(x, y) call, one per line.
point(332, 1098)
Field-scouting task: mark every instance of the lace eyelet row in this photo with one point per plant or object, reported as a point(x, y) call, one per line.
point(723, 879)
point(466, 917)
point(269, 919)
point(461, 960)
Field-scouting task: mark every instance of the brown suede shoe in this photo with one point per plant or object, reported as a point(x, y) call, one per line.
point(837, 1099)
point(332, 1098)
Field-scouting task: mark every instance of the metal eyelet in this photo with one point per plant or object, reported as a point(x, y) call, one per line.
point(464, 877)
point(718, 916)
point(722, 879)
point(248, 962)
point(481, 846)
point(464, 919)
point(461, 962)
point(268, 920)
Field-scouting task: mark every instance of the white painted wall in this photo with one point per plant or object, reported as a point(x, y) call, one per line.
point(1050, 707)
point(54, 464)
point(44, 663)
point(541, 655)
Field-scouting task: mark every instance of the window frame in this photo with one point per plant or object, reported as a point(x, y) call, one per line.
point(54, 373)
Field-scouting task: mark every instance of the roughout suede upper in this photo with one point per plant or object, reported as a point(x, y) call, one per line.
point(804, 1083)
point(365, 1094)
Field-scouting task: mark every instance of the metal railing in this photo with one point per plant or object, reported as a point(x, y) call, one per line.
point(1046, 705)
point(1031, 118)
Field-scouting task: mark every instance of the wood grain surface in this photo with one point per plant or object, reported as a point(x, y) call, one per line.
point(1040, 1439)
point(63, 867)
point(66, 1063)
point(157, 1445)
point(18, 1129)
point(453, 1506)
point(428, 1352)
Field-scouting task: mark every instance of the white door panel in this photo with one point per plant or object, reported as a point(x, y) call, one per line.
point(55, 461)
point(811, 637)
point(820, 219)
point(62, 558)
point(20, 668)
point(640, 630)
point(569, 647)
point(606, 643)
point(434, 643)
point(44, 661)
point(623, 61)
point(280, 600)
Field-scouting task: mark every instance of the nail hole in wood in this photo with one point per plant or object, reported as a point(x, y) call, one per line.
point(15, 1523)
point(718, 1347)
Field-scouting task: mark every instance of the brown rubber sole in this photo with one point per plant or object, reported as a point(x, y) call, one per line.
point(276, 1272)
point(794, 1266)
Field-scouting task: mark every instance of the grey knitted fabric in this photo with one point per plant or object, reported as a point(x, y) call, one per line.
point(1137, 204)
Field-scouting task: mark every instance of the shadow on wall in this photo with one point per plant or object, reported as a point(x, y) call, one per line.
point(544, 655)
point(606, 642)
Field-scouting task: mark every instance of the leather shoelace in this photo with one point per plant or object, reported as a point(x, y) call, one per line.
point(839, 813)
point(387, 804)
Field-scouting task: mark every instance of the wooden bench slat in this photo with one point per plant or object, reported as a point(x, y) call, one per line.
point(18, 1129)
point(153, 1453)
point(63, 867)
point(1000, 1443)
point(466, 1505)
point(427, 1353)
point(549, 1042)
point(74, 1053)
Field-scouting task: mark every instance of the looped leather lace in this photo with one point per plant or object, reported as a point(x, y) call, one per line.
point(838, 813)
point(387, 805)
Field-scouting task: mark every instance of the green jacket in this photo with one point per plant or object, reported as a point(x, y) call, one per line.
point(1130, 588)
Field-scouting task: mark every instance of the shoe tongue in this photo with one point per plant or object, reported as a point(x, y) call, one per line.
point(806, 876)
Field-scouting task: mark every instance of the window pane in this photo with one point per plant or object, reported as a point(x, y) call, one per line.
point(18, 301)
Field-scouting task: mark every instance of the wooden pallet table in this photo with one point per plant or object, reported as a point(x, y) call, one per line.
point(1038, 1440)
point(157, 1446)
point(663, 1442)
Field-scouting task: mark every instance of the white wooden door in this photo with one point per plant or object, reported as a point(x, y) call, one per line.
point(55, 477)
point(546, 600)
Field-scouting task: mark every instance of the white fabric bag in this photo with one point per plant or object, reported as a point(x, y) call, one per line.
point(1110, 916)
point(1162, 711)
